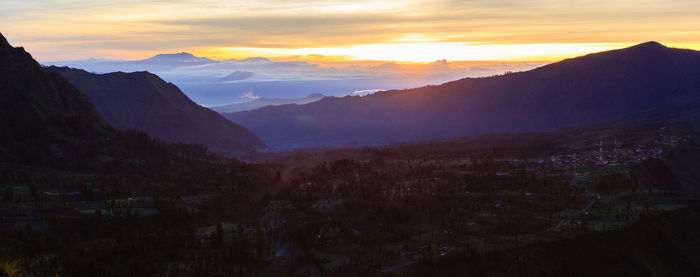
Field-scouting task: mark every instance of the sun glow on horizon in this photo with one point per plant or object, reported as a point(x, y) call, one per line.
point(416, 52)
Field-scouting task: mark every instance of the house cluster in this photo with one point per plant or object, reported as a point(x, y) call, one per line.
point(613, 153)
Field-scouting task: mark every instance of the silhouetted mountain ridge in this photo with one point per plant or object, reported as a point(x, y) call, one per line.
point(143, 101)
point(582, 90)
point(43, 117)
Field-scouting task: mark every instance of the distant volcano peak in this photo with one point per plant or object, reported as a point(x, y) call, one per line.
point(178, 57)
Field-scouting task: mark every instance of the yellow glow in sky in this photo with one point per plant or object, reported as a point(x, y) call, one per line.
point(418, 52)
point(404, 31)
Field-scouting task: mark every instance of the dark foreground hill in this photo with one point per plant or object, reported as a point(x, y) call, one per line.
point(56, 154)
point(43, 117)
point(583, 90)
point(143, 101)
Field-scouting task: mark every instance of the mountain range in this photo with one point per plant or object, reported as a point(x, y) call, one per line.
point(142, 101)
point(157, 63)
point(50, 132)
point(588, 89)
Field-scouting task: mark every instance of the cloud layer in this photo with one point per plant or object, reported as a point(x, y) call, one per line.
point(217, 82)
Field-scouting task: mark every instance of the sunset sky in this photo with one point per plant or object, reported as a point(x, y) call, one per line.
point(403, 31)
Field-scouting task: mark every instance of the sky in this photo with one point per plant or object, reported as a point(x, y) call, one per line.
point(342, 30)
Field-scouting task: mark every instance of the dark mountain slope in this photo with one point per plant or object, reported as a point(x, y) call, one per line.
point(588, 89)
point(43, 116)
point(50, 134)
point(142, 101)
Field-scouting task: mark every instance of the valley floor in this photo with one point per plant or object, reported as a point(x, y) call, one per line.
point(531, 205)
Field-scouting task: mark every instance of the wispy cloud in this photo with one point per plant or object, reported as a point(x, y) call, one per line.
point(250, 95)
